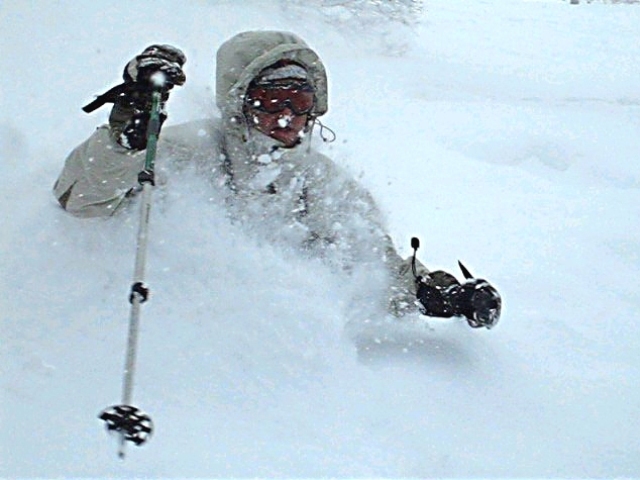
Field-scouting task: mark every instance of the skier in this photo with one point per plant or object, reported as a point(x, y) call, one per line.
point(271, 89)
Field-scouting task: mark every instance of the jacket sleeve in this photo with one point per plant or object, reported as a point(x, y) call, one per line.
point(345, 216)
point(97, 176)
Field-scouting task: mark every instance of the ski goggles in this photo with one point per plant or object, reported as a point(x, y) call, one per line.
point(299, 99)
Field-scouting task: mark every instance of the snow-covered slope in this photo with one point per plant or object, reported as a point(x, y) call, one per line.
point(504, 134)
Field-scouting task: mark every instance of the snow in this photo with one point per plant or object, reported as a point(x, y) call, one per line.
point(503, 134)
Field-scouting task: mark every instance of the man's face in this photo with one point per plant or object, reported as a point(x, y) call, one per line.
point(280, 111)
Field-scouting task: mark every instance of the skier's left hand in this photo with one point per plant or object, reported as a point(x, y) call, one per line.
point(434, 301)
point(440, 294)
point(478, 301)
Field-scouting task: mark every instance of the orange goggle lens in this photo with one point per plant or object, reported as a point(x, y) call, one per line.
point(274, 100)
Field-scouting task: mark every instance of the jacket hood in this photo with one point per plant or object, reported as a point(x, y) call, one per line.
point(241, 58)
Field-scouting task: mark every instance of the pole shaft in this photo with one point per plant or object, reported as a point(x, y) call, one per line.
point(138, 276)
point(141, 252)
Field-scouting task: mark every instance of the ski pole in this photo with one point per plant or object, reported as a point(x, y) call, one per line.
point(128, 421)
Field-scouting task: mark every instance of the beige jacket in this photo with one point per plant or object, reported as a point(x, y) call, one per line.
point(297, 194)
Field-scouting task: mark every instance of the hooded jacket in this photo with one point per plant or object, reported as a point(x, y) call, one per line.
point(292, 194)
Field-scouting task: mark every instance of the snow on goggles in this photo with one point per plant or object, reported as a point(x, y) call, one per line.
point(299, 99)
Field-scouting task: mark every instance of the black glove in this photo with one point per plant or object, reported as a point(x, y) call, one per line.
point(130, 114)
point(477, 300)
point(431, 294)
point(156, 58)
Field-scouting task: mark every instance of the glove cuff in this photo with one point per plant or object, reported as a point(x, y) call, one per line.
point(129, 118)
point(433, 301)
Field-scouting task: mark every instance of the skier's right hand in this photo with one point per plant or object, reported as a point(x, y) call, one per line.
point(130, 115)
point(154, 59)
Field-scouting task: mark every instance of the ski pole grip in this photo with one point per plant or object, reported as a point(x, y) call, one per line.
point(153, 130)
point(153, 127)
